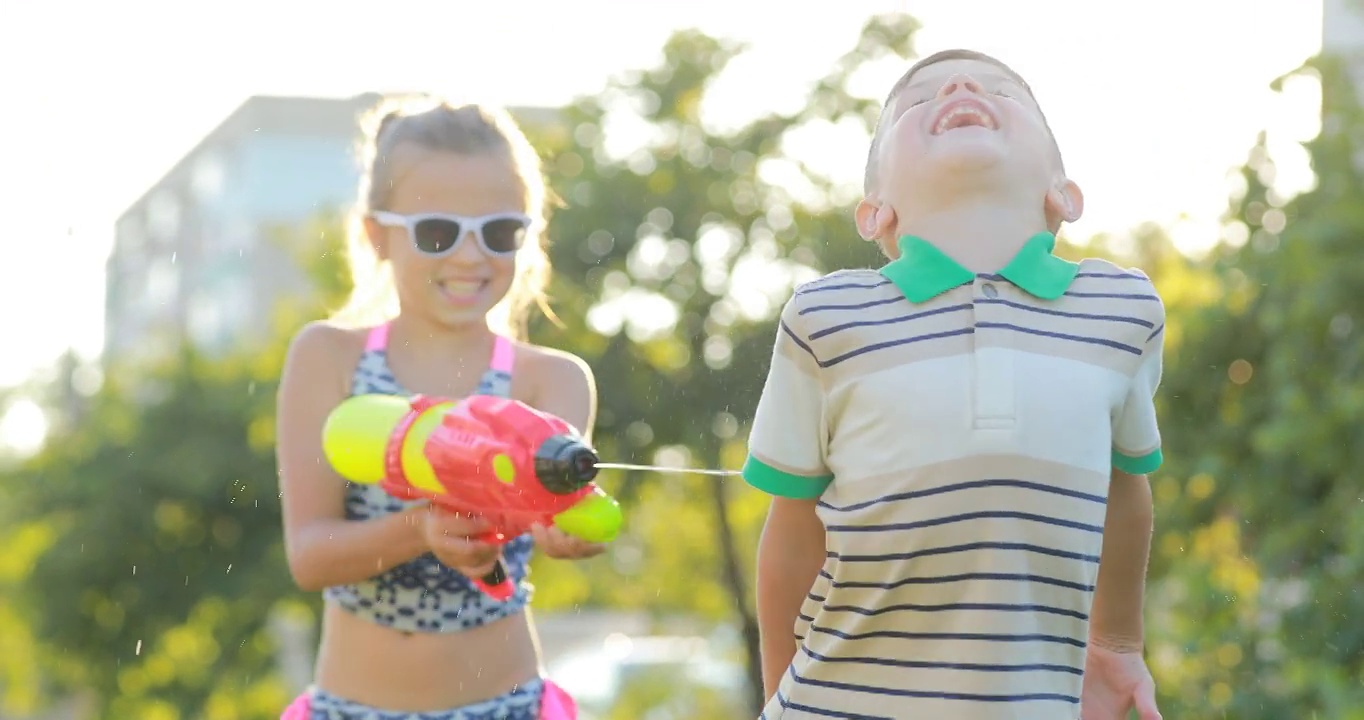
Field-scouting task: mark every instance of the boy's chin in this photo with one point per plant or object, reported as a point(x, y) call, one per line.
point(966, 157)
point(967, 171)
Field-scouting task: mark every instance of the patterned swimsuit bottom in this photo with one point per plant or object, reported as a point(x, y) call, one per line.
point(536, 700)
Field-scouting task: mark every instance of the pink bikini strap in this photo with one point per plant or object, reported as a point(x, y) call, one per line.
point(504, 353)
point(378, 338)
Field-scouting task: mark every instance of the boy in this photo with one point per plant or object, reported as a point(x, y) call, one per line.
point(950, 438)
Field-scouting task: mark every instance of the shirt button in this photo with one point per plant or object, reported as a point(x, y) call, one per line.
point(990, 290)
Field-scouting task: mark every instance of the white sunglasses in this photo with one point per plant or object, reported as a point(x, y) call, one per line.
point(439, 234)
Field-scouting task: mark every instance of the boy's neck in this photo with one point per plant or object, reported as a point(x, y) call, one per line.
point(981, 235)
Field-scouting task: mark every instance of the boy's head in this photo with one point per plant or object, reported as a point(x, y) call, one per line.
point(960, 122)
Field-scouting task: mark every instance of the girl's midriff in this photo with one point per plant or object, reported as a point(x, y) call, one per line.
point(414, 672)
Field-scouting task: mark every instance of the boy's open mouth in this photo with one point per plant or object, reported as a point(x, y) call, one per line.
point(964, 113)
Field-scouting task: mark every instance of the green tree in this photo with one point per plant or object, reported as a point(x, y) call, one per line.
point(166, 564)
point(1263, 554)
point(145, 543)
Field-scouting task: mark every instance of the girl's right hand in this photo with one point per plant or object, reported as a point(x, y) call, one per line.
point(451, 538)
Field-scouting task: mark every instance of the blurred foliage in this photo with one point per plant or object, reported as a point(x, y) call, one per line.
point(163, 562)
point(656, 694)
point(1261, 508)
point(144, 560)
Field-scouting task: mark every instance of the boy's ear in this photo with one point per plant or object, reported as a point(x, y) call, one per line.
point(377, 237)
point(1064, 203)
point(874, 222)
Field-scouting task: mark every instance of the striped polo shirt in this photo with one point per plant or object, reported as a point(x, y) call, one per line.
point(959, 431)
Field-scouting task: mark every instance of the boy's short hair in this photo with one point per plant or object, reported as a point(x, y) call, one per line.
point(869, 177)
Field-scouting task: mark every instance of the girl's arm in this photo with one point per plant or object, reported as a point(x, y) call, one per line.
point(323, 547)
point(563, 386)
point(790, 555)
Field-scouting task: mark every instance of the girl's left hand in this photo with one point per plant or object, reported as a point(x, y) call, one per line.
point(558, 544)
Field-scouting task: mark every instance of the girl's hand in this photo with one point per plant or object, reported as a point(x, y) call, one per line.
point(558, 544)
point(450, 536)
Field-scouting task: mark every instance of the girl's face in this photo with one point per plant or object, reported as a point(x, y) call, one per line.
point(450, 230)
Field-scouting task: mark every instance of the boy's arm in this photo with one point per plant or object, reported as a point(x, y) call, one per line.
point(790, 555)
point(1116, 618)
point(1116, 621)
point(786, 460)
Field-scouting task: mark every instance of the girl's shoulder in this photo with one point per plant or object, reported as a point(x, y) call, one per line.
point(324, 350)
point(556, 382)
point(545, 365)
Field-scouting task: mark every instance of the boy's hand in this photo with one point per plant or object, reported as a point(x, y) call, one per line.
point(450, 536)
point(558, 544)
point(1115, 683)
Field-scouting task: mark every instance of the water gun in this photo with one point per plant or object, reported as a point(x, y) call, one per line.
point(487, 456)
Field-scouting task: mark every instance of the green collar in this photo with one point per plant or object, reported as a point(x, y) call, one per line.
point(923, 272)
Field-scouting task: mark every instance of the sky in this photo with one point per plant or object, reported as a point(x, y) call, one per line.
point(1153, 102)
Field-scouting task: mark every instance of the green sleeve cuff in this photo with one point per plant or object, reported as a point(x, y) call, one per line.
point(1138, 465)
point(784, 484)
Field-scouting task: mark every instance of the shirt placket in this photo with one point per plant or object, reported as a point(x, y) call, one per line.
point(994, 394)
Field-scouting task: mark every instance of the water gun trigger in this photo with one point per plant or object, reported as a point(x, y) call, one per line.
point(497, 584)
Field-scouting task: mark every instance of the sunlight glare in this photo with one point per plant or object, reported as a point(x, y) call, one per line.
point(24, 427)
point(1195, 236)
point(648, 315)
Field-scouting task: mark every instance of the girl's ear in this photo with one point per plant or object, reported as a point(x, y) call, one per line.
point(378, 237)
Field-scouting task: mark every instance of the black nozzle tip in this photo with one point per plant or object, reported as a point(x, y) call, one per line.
point(584, 464)
point(565, 464)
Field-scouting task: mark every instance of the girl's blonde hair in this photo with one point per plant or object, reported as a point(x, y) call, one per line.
point(431, 124)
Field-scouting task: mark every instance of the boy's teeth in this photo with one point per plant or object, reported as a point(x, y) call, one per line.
point(947, 120)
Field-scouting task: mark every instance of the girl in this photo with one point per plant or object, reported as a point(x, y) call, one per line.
point(448, 246)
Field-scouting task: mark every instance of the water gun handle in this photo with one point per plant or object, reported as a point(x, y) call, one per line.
point(497, 584)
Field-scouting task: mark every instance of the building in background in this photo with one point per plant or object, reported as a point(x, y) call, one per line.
point(1342, 34)
point(199, 258)
point(192, 257)
point(1343, 27)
